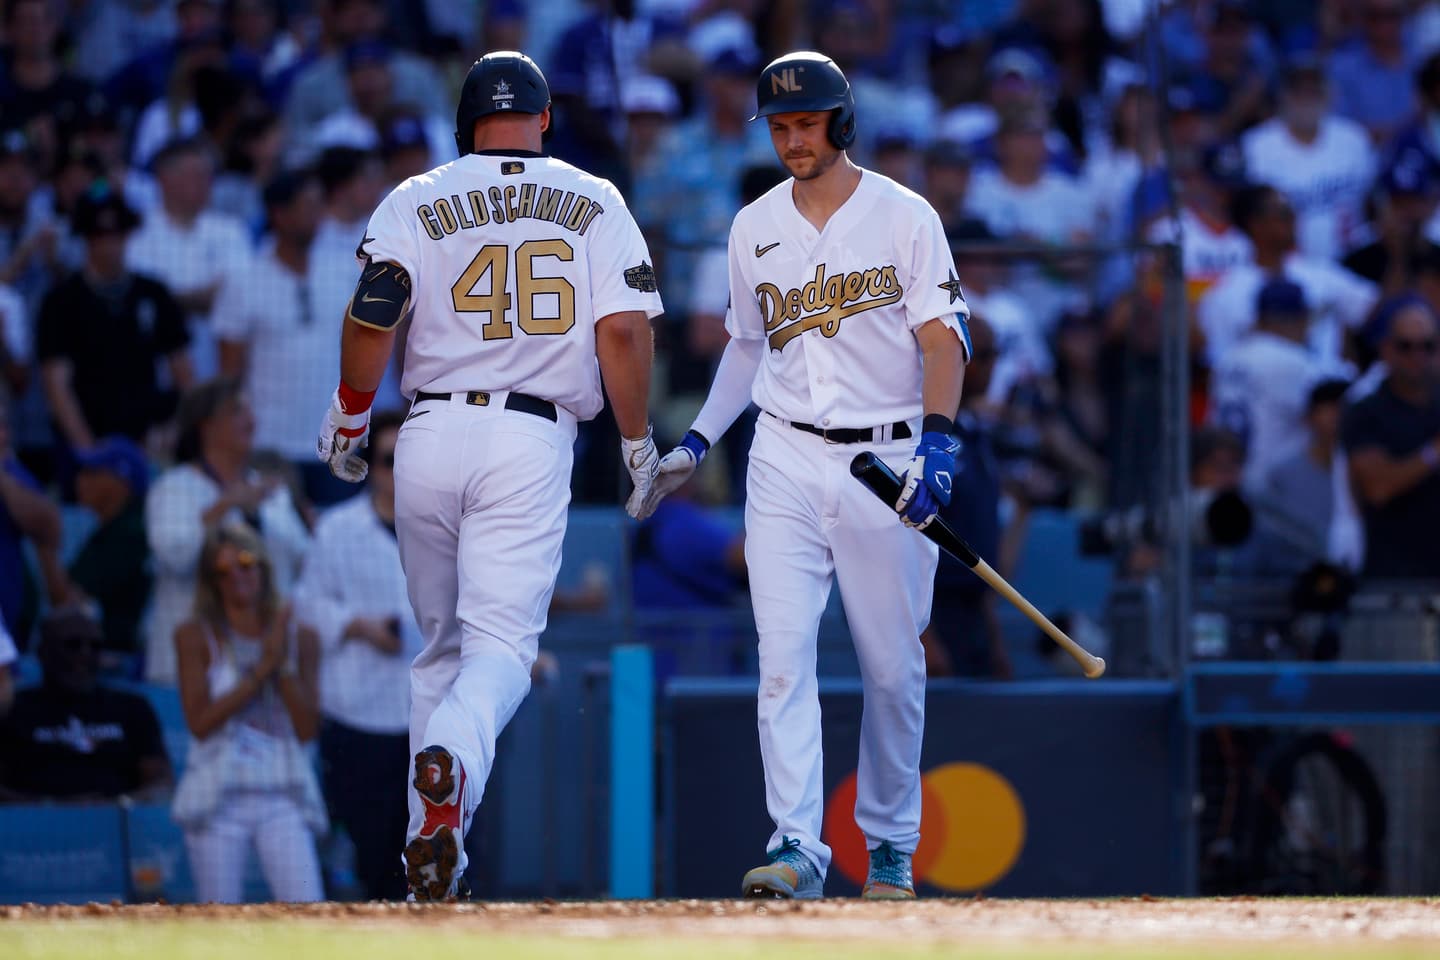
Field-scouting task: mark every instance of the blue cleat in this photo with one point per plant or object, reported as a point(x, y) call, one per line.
point(790, 875)
point(890, 877)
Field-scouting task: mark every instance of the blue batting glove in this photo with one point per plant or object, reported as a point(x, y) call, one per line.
point(925, 485)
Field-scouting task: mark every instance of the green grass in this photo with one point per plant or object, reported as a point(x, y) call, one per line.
point(322, 940)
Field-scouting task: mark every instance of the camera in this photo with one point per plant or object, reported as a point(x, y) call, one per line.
point(1217, 518)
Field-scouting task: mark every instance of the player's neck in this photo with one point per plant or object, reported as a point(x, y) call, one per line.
point(818, 199)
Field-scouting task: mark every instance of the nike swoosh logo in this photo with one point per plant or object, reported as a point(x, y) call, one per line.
point(761, 251)
point(366, 298)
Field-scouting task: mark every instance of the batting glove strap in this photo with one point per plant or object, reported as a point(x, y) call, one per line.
point(696, 444)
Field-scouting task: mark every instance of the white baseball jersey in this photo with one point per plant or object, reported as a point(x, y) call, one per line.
point(512, 258)
point(1207, 251)
point(839, 308)
point(1338, 300)
point(1259, 392)
point(1325, 181)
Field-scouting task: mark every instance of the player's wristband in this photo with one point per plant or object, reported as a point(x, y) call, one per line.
point(696, 444)
point(351, 401)
point(937, 423)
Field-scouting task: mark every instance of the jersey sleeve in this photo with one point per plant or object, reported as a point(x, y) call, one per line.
point(742, 317)
point(933, 288)
point(622, 274)
point(390, 235)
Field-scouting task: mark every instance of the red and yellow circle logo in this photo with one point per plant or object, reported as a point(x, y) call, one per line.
point(972, 828)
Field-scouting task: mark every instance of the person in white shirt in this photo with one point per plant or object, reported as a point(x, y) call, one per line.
point(1338, 299)
point(210, 485)
point(1210, 243)
point(188, 247)
point(1322, 162)
point(1259, 391)
point(278, 323)
point(352, 592)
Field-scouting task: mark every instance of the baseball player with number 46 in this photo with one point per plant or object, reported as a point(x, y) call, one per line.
point(848, 329)
point(524, 272)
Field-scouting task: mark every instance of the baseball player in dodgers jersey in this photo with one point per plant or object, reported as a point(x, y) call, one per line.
point(848, 328)
point(523, 271)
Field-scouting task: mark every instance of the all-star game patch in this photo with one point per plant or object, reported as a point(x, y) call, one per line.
point(641, 278)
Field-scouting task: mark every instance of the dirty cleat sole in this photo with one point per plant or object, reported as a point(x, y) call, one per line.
point(430, 864)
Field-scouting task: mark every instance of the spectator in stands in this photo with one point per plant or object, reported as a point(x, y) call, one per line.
point(211, 484)
point(351, 180)
point(251, 161)
point(107, 36)
point(72, 738)
point(353, 594)
point(896, 155)
point(651, 106)
point(103, 330)
point(372, 96)
point(173, 114)
point(964, 637)
point(1017, 82)
point(25, 514)
point(187, 246)
point(8, 656)
point(28, 237)
point(947, 180)
point(1392, 440)
point(1231, 83)
point(1338, 299)
point(1022, 354)
point(1073, 419)
point(112, 567)
point(1373, 79)
point(1021, 198)
point(319, 88)
point(1210, 243)
point(279, 337)
point(1323, 163)
point(1404, 199)
point(1260, 388)
point(1298, 494)
point(249, 689)
point(405, 151)
point(37, 94)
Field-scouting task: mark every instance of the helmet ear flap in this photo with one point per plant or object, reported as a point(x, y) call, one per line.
point(841, 130)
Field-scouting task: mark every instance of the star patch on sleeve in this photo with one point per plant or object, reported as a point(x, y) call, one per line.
point(953, 287)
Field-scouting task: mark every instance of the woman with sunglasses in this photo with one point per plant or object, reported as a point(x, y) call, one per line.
point(250, 691)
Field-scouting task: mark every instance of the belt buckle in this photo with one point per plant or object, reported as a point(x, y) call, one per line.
point(825, 435)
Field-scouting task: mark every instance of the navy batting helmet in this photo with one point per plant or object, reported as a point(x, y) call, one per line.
point(803, 81)
point(505, 81)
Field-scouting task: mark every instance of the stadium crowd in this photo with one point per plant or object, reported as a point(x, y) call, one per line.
point(183, 184)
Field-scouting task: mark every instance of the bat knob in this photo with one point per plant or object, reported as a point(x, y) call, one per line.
point(1096, 668)
point(862, 463)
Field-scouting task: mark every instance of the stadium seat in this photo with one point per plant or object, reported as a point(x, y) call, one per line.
point(62, 854)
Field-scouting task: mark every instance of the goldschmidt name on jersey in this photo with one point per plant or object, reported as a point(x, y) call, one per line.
point(526, 201)
point(824, 301)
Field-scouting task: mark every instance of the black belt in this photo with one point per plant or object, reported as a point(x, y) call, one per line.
point(899, 430)
point(522, 402)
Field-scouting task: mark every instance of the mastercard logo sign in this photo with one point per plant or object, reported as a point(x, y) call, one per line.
point(972, 829)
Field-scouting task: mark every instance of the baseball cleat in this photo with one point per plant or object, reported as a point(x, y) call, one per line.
point(790, 875)
point(890, 877)
point(433, 859)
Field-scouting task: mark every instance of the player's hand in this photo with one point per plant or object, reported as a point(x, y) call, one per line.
point(925, 484)
point(676, 467)
point(342, 436)
point(643, 461)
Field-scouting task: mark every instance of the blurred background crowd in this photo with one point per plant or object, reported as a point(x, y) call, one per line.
point(183, 184)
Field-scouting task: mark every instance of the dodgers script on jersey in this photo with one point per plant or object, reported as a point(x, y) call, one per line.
point(838, 308)
point(512, 259)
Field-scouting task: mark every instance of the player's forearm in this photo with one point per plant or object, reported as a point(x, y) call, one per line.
point(943, 372)
point(364, 353)
point(625, 347)
point(731, 389)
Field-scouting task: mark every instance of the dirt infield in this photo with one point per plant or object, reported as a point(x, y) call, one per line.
point(1329, 922)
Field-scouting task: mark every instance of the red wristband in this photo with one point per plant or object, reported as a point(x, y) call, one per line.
point(354, 401)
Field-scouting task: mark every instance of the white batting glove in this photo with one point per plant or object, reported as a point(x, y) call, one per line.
point(342, 435)
point(643, 461)
point(676, 467)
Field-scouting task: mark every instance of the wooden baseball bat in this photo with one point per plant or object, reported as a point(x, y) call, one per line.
point(872, 471)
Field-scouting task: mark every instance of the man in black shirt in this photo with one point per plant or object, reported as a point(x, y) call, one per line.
point(1392, 438)
point(72, 739)
point(101, 331)
point(1405, 197)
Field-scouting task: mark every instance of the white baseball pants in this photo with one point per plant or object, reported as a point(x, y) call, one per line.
point(808, 520)
point(220, 850)
point(481, 495)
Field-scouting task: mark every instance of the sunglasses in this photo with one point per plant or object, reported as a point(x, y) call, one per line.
point(1406, 347)
point(244, 560)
